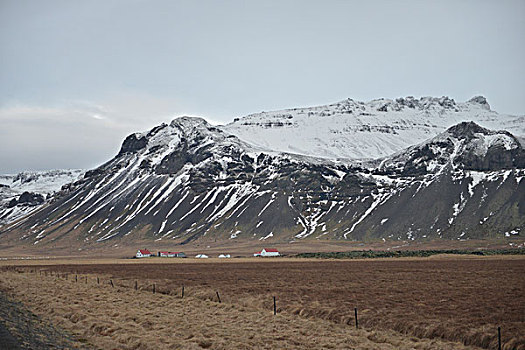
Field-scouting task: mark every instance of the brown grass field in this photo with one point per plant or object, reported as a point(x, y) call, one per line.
point(434, 303)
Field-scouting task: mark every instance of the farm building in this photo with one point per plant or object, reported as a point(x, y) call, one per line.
point(201, 256)
point(143, 253)
point(224, 256)
point(171, 254)
point(268, 252)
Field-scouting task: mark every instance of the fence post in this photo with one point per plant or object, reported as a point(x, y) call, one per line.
point(356, 322)
point(136, 285)
point(499, 338)
point(274, 306)
point(153, 288)
point(182, 291)
point(111, 282)
point(218, 297)
point(98, 280)
point(76, 278)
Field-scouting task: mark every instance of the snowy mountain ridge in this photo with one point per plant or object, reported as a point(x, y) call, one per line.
point(26, 191)
point(357, 130)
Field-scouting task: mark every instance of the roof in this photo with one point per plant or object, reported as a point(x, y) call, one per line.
point(271, 250)
point(144, 251)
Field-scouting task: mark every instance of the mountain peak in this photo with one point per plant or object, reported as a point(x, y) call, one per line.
point(480, 100)
point(467, 129)
point(187, 121)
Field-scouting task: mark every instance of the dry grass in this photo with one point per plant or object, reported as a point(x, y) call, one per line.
point(121, 318)
point(453, 298)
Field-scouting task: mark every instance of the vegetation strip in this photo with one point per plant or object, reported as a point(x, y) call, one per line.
point(359, 254)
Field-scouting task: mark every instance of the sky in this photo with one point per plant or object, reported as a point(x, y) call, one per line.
point(77, 76)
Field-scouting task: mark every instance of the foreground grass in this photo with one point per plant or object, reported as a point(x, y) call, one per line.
point(122, 318)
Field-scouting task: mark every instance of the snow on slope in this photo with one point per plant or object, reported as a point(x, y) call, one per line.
point(357, 130)
point(39, 183)
point(42, 182)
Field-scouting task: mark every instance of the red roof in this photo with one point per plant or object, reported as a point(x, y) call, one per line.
point(271, 250)
point(144, 251)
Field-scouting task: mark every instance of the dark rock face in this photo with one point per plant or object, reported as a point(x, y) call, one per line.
point(27, 198)
point(481, 154)
point(12, 203)
point(496, 158)
point(132, 144)
point(31, 198)
point(188, 181)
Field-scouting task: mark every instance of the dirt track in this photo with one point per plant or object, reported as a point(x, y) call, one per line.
point(21, 329)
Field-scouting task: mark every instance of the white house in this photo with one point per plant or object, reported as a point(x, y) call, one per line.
point(268, 252)
point(143, 253)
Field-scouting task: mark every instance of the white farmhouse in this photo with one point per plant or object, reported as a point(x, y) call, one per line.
point(268, 252)
point(143, 253)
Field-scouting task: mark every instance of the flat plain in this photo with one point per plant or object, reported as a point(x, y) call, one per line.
point(434, 303)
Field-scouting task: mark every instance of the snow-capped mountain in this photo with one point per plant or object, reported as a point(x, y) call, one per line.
point(25, 192)
point(358, 130)
point(191, 181)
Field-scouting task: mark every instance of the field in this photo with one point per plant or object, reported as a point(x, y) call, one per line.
point(433, 303)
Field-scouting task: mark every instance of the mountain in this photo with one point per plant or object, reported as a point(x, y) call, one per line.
point(25, 192)
point(188, 181)
point(358, 130)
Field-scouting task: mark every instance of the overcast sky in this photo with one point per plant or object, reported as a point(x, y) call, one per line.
point(77, 76)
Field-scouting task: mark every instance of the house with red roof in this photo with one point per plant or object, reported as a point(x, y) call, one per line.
point(143, 253)
point(267, 252)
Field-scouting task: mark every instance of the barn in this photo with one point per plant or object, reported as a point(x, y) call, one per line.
point(143, 253)
point(172, 254)
point(267, 252)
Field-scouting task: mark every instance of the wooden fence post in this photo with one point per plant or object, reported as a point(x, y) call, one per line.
point(356, 322)
point(136, 285)
point(218, 297)
point(98, 280)
point(153, 288)
point(182, 291)
point(111, 282)
point(499, 338)
point(76, 278)
point(274, 306)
